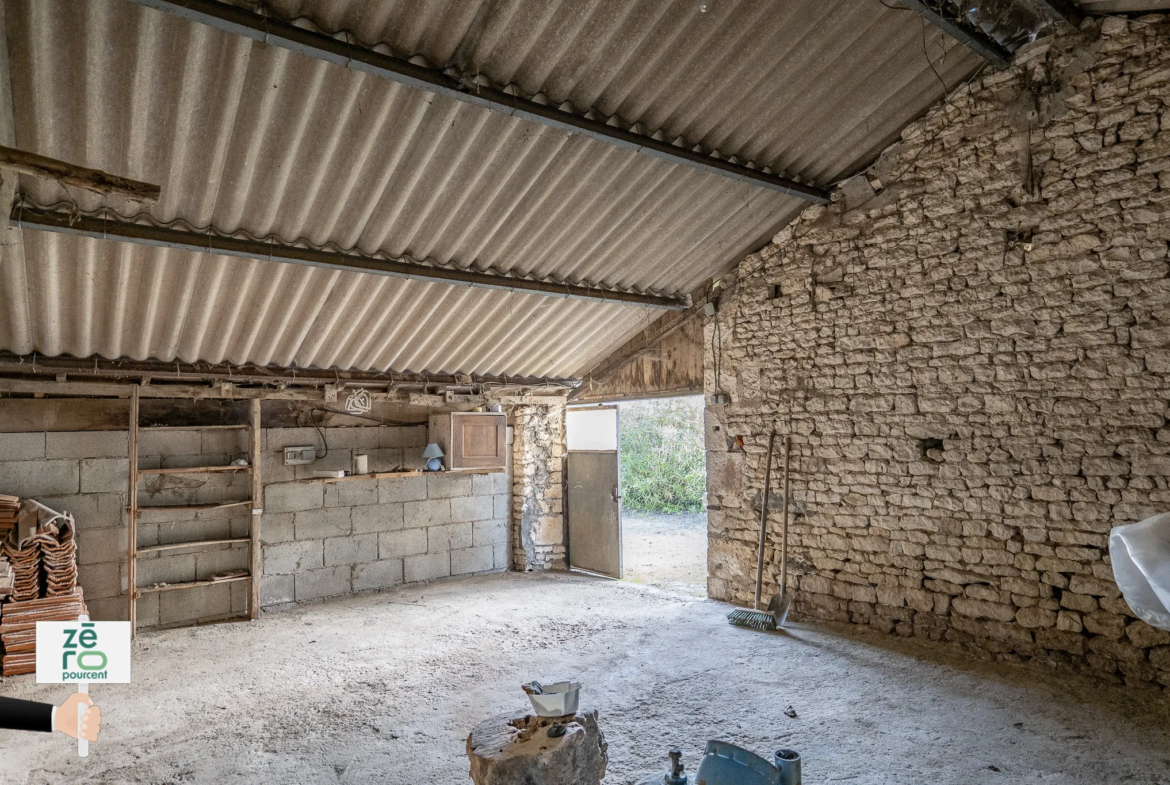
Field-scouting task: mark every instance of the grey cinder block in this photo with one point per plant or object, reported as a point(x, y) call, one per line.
point(87, 444)
point(467, 560)
point(449, 537)
point(471, 508)
point(40, 478)
point(490, 533)
point(276, 590)
point(426, 513)
point(328, 582)
point(377, 575)
point(351, 550)
point(402, 543)
point(401, 489)
point(105, 475)
point(352, 493)
point(426, 567)
point(444, 485)
point(294, 496)
point(317, 524)
point(22, 446)
point(288, 557)
point(162, 442)
point(377, 518)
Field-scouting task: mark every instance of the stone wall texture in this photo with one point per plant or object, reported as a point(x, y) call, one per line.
point(538, 455)
point(971, 349)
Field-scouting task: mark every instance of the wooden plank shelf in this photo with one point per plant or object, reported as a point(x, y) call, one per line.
point(413, 473)
point(193, 543)
point(189, 585)
point(183, 507)
point(197, 469)
point(192, 427)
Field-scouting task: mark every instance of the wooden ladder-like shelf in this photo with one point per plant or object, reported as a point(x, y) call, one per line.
point(255, 503)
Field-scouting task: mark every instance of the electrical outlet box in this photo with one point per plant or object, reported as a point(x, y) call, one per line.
point(295, 456)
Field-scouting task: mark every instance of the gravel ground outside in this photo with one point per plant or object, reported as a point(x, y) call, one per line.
point(666, 551)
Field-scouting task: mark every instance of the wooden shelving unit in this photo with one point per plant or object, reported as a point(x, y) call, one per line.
point(255, 503)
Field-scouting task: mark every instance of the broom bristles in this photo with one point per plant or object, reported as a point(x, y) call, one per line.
point(757, 620)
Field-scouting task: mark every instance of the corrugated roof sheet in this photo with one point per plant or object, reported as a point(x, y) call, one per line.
point(248, 138)
point(122, 300)
point(809, 88)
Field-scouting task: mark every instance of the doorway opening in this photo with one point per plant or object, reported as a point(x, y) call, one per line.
point(663, 494)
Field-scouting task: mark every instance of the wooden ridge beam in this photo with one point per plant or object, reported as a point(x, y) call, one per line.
point(605, 370)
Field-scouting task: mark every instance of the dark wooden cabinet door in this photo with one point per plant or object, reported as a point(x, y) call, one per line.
point(478, 441)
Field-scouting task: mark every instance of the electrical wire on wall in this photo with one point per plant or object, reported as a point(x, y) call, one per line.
point(716, 342)
point(379, 420)
point(322, 428)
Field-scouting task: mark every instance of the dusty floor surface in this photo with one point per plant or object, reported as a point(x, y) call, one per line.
point(666, 551)
point(384, 689)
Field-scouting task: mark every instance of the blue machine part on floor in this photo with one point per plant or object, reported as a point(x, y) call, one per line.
point(727, 764)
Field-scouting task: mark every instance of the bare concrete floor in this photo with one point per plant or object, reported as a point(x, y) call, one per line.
point(384, 689)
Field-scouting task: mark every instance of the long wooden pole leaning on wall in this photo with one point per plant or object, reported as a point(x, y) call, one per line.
point(256, 565)
point(94, 180)
point(132, 534)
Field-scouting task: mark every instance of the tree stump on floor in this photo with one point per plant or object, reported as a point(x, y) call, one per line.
point(518, 750)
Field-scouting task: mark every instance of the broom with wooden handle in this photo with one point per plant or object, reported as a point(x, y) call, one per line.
point(777, 610)
point(781, 603)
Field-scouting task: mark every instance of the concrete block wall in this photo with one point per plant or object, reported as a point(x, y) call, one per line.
point(326, 539)
point(319, 539)
point(85, 474)
point(971, 348)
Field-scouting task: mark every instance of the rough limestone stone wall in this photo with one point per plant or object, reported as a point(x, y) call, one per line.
point(971, 347)
point(538, 453)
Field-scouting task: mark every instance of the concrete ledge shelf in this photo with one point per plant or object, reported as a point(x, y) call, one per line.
point(382, 475)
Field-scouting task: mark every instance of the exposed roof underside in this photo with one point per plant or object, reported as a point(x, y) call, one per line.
point(248, 138)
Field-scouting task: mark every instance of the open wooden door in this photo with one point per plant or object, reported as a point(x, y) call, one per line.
point(594, 502)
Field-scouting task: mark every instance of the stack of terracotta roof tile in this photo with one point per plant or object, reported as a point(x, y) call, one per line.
point(9, 505)
point(25, 558)
point(18, 627)
point(59, 558)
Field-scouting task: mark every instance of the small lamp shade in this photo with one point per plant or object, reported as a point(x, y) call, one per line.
point(433, 453)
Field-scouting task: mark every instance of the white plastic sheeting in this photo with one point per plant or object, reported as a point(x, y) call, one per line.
point(1140, 553)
